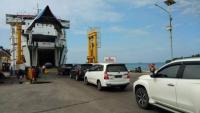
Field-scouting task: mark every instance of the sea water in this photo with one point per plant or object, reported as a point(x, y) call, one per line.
point(144, 66)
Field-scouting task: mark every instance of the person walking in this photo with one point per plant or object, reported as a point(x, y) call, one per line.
point(34, 74)
point(43, 69)
point(20, 72)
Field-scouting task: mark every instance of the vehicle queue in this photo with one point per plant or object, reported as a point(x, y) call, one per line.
point(164, 88)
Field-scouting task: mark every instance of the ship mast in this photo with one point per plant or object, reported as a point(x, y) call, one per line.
point(38, 10)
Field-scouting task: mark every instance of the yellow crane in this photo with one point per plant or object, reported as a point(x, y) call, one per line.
point(19, 40)
point(93, 45)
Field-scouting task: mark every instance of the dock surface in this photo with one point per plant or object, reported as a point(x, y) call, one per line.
point(60, 94)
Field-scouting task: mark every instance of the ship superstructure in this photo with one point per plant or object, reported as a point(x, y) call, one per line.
point(43, 38)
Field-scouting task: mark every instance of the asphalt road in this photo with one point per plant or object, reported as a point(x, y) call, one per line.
point(60, 94)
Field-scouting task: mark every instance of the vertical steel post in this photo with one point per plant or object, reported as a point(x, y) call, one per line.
point(14, 49)
point(170, 30)
point(171, 39)
point(169, 3)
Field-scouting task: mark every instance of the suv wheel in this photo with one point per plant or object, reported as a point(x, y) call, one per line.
point(99, 87)
point(77, 78)
point(142, 98)
point(85, 81)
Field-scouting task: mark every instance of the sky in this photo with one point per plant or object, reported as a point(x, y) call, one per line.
point(131, 30)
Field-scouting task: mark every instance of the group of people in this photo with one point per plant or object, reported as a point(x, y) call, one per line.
point(31, 73)
point(5, 67)
point(152, 68)
point(138, 69)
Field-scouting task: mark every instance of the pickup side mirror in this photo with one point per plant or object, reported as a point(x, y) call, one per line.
point(154, 75)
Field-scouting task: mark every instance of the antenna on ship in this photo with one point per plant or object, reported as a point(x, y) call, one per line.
point(38, 10)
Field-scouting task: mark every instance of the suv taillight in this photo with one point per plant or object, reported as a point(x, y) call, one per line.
point(128, 75)
point(106, 77)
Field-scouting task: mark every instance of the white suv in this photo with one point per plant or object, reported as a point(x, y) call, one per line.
point(174, 87)
point(108, 75)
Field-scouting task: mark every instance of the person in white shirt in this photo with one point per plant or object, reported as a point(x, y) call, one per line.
point(43, 69)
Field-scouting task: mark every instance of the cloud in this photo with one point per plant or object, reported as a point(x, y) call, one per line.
point(79, 32)
point(87, 10)
point(136, 3)
point(189, 7)
point(184, 6)
point(142, 3)
point(130, 32)
point(76, 10)
point(3, 25)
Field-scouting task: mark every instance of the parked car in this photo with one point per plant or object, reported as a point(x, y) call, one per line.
point(48, 65)
point(174, 87)
point(65, 69)
point(108, 75)
point(79, 70)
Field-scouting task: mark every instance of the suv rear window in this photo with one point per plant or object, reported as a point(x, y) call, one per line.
point(192, 72)
point(116, 68)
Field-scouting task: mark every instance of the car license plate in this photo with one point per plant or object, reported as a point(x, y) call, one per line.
point(118, 76)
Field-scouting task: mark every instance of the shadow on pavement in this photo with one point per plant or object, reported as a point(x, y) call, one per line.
point(8, 80)
point(12, 80)
point(159, 110)
point(42, 82)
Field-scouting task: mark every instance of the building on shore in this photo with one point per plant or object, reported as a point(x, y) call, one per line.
point(43, 38)
point(4, 59)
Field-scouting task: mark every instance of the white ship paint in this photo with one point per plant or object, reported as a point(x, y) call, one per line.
point(43, 38)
